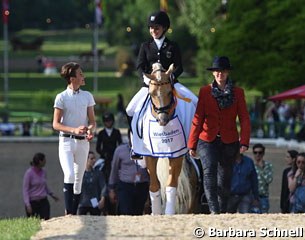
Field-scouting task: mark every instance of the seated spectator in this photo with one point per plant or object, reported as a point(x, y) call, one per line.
point(92, 199)
point(296, 184)
point(49, 67)
point(264, 170)
point(7, 128)
point(291, 157)
point(244, 186)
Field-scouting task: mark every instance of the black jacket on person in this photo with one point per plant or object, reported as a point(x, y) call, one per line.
point(285, 193)
point(149, 54)
point(106, 145)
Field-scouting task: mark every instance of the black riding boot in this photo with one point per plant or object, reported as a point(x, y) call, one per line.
point(76, 198)
point(68, 194)
point(133, 155)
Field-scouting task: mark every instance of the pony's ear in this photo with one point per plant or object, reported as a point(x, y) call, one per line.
point(170, 69)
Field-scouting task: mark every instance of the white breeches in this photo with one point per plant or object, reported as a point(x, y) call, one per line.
point(73, 156)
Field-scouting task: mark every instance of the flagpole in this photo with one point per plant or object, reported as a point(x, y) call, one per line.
point(5, 13)
point(95, 58)
point(95, 46)
point(5, 61)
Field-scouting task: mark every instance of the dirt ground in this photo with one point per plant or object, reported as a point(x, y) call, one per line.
point(223, 226)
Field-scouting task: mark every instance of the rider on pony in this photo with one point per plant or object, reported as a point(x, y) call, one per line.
point(158, 49)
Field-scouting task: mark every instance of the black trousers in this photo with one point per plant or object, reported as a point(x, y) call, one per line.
point(132, 198)
point(40, 208)
point(92, 211)
point(217, 160)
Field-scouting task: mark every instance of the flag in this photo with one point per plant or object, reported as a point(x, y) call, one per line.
point(98, 12)
point(164, 5)
point(5, 11)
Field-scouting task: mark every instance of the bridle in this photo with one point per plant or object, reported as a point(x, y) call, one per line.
point(159, 84)
point(169, 108)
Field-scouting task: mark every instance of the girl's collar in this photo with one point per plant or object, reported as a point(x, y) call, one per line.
point(159, 41)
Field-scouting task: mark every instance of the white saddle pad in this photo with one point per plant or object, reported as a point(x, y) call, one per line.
point(151, 139)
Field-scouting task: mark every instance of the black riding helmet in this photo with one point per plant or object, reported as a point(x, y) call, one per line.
point(159, 18)
point(108, 117)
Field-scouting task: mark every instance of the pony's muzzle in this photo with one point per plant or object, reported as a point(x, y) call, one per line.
point(163, 118)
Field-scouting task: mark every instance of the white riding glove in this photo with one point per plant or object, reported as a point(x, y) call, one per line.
point(146, 79)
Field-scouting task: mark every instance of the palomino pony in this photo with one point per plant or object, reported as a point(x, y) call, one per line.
point(160, 131)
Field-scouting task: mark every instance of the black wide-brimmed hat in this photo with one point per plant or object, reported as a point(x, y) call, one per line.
point(220, 63)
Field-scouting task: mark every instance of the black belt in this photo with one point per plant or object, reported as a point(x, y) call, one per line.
point(72, 136)
point(39, 200)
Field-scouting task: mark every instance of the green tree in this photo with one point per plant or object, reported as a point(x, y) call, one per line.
point(63, 14)
point(121, 15)
point(201, 17)
point(265, 43)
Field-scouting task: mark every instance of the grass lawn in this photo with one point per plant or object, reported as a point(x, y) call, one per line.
point(18, 228)
point(59, 43)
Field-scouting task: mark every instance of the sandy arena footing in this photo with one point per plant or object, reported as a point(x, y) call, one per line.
point(184, 226)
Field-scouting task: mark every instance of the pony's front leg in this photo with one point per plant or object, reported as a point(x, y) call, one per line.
point(154, 187)
point(175, 166)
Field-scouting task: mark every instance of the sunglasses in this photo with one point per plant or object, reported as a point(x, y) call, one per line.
point(258, 152)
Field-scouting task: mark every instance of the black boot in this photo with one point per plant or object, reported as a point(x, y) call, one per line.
point(76, 198)
point(68, 194)
point(133, 155)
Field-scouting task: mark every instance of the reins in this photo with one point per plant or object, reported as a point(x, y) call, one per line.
point(171, 106)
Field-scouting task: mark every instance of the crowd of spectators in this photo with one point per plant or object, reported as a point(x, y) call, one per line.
point(278, 120)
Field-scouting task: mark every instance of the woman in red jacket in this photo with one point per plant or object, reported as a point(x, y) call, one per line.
point(214, 136)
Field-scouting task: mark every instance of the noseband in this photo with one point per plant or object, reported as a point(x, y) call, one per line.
point(159, 84)
point(164, 109)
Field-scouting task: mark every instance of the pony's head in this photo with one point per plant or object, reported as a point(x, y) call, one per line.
point(161, 93)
